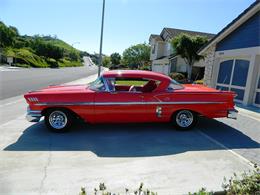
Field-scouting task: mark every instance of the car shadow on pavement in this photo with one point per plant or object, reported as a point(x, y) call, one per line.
point(132, 140)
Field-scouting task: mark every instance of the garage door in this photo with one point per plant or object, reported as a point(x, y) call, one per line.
point(257, 92)
point(232, 76)
point(162, 68)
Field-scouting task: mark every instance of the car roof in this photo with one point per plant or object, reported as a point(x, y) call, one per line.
point(136, 74)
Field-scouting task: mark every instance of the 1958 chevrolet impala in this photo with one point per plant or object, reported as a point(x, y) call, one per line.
point(128, 97)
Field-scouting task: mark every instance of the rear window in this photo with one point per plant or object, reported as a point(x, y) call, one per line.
point(174, 85)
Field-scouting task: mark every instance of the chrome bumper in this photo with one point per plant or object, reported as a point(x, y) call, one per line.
point(33, 115)
point(232, 114)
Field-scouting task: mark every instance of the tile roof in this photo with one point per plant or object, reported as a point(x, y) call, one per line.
point(175, 32)
point(158, 37)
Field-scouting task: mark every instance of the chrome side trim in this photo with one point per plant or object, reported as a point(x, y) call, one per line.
point(118, 103)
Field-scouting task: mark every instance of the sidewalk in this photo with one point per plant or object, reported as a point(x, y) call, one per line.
point(6, 67)
point(249, 111)
point(87, 79)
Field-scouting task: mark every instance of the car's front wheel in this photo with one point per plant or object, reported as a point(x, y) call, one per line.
point(184, 119)
point(58, 121)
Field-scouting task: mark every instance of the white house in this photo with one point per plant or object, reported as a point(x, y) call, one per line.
point(162, 54)
point(233, 57)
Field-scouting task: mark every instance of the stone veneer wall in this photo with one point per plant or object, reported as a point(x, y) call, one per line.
point(209, 62)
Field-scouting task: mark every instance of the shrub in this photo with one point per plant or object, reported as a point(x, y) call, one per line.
point(177, 76)
point(48, 50)
point(67, 63)
point(25, 56)
point(22, 65)
point(144, 68)
point(200, 82)
point(52, 62)
point(247, 183)
point(102, 190)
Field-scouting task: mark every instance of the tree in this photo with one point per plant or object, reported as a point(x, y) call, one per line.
point(46, 49)
point(137, 55)
point(106, 61)
point(187, 47)
point(74, 55)
point(115, 58)
point(7, 35)
point(15, 30)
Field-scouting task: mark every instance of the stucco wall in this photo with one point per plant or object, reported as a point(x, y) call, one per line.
point(209, 63)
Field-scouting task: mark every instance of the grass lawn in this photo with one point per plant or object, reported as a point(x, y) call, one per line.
point(130, 83)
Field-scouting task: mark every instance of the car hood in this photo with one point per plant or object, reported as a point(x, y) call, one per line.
point(63, 88)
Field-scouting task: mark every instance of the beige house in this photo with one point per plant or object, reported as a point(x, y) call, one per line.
point(233, 57)
point(162, 54)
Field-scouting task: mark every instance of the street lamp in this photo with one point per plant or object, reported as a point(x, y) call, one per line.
point(101, 39)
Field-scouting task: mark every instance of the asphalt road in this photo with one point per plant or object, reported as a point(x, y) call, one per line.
point(36, 161)
point(16, 82)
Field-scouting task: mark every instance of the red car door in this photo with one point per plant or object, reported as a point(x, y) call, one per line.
point(156, 110)
point(124, 107)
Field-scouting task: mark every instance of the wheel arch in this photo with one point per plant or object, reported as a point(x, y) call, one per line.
point(73, 114)
point(191, 110)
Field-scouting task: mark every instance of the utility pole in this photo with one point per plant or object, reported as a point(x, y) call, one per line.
point(101, 39)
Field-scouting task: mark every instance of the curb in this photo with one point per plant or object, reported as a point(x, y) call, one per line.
point(248, 113)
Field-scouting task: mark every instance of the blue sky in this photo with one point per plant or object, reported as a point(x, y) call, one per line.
point(127, 22)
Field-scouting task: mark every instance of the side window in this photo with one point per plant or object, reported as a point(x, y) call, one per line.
point(98, 85)
point(174, 85)
point(135, 85)
point(130, 81)
point(111, 84)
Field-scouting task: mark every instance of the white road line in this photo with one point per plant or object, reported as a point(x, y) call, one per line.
point(10, 103)
point(12, 121)
point(248, 162)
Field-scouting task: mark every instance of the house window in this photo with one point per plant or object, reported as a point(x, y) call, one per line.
point(173, 65)
point(240, 73)
point(232, 76)
point(257, 98)
point(257, 91)
point(153, 49)
point(225, 69)
point(222, 88)
point(258, 85)
point(239, 92)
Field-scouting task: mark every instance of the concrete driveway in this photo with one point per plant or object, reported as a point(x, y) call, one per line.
point(36, 161)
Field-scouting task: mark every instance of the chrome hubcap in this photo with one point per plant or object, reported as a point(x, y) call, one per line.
point(58, 119)
point(184, 118)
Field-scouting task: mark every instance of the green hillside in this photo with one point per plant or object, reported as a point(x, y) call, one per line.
point(37, 51)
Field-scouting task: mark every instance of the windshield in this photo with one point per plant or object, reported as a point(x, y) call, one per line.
point(174, 85)
point(97, 85)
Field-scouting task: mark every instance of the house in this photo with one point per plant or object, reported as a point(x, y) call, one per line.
point(162, 54)
point(232, 57)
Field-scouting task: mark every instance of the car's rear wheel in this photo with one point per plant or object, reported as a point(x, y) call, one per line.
point(184, 119)
point(58, 121)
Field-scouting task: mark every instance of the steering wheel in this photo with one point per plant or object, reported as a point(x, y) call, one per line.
point(132, 88)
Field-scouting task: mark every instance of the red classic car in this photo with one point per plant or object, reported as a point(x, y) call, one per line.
point(128, 96)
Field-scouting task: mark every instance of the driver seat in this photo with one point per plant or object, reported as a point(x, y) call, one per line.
point(149, 86)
